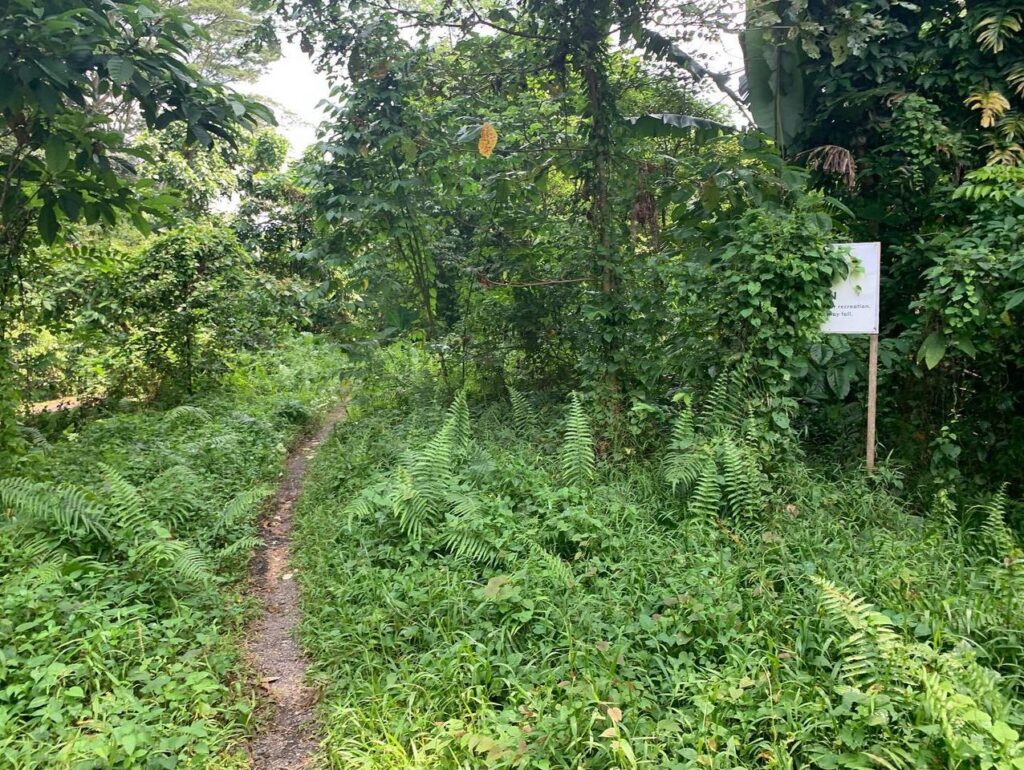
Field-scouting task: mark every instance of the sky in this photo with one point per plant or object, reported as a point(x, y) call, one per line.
point(294, 88)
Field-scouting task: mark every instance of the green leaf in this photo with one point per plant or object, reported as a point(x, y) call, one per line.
point(932, 349)
point(673, 124)
point(70, 203)
point(1014, 299)
point(47, 223)
point(121, 70)
point(775, 85)
point(56, 151)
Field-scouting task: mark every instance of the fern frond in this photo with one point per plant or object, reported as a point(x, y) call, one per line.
point(362, 506)
point(458, 417)
point(999, 540)
point(410, 507)
point(578, 446)
point(557, 565)
point(241, 547)
point(39, 548)
point(471, 545)
point(683, 430)
point(188, 413)
point(740, 479)
point(706, 498)
point(523, 417)
point(238, 510)
point(683, 469)
point(186, 561)
point(874, 642)
point(725, 404)
point(173, 495)
point(52, 506)
point(35, 437)
point(125, 507)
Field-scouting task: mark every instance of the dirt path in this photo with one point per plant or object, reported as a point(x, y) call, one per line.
point(288, 740)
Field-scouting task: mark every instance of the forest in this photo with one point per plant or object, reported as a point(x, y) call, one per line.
point(499, 426)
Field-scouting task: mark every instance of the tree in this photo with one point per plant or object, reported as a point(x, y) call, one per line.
point(239, 38)
point(564, 48)
point(911, 114)
point(63, 163)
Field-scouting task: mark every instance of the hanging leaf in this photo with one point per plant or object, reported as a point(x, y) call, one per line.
point(932, 349)
point(671, 124)
point(56, 151)
point(121, 70)
point(488, 139)
point(774, 86)
point(48, 225)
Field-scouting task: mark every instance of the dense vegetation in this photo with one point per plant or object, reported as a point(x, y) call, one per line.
point(601, 500)
point(118, 647)
point(479, 592)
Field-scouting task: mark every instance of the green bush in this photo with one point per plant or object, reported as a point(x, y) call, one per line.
point(121, 546)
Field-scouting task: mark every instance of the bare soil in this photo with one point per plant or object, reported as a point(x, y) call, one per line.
point(288, 739)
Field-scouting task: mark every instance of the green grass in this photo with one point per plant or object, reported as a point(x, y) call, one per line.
point(525, 616)
point(120, 649)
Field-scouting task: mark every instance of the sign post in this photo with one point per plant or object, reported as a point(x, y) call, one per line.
point(855, 303)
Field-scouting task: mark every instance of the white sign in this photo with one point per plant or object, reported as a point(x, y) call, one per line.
point(855, 300)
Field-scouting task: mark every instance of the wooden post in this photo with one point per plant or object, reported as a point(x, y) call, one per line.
point(872, 398)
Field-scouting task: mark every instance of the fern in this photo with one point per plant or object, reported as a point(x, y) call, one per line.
point(554, 564)
point(725, 405)
point(713, 458)
point(873, 646)
point(717, 475)
point(957, 696)
point(706, 499)
point(175, 494)
point(469, 530)
point(739, 474)
point(578, 447)
point(523, 417)
point(468, 544)
point(35, 437)
point(125, 507)
point(238, 511)
point(53, 507)
point(179, 558)
point(241, 547)
point(458, 420)
point(683, 433)
point(413, 510)
point(997, 538)
point(188, 414)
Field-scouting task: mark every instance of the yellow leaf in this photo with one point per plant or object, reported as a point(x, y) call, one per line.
point(611, 732)
point(992, 105)
point(488, 139)
point(615, 714)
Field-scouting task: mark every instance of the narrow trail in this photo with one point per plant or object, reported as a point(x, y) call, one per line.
point(288, 739)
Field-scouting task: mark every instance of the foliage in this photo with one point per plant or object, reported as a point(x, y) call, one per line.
point(239, 37)
point(909, 113)
point(121, 544)
point(64, 63)
point(604, 625)
point(190, 302)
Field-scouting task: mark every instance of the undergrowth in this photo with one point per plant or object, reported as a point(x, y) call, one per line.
point(482, 589)
point(120, 547)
